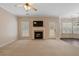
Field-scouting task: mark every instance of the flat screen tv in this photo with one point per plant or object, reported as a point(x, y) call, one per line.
point(38, 23)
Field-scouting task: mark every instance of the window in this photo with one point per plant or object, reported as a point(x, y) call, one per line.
point(51, 29)
point(75, 26)
point(66, 27)
point(24, 28)
point(70, 26)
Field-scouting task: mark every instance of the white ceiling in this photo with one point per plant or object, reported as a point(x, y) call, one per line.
point(45, 9)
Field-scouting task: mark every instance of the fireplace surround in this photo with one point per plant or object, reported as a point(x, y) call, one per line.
point(38, 28)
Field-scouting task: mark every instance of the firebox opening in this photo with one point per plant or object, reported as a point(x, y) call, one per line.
point(38, 35)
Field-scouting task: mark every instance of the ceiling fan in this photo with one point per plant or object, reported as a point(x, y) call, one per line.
point(27, 6)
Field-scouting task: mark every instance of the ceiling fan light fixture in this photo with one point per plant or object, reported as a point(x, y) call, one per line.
point(27, 7)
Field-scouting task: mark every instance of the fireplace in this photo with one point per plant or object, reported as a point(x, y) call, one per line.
point(38, 35)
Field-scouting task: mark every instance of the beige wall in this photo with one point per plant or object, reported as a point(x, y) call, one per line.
point(8, 27)
point(52, 19)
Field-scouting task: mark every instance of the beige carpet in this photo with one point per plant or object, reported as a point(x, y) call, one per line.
point(39, 48)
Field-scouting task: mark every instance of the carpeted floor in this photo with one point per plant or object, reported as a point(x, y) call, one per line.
point(39, 48)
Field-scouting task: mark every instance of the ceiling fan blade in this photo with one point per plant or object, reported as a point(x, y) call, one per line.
point(19, 5)
point(33, 8)
point(26, 5)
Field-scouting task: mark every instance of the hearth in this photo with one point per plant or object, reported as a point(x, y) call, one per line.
point(38, 35)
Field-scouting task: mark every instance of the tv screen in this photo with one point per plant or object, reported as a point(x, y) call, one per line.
point(38, 23)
